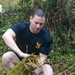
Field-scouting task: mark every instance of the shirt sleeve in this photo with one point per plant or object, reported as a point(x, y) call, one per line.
point(45, 49)
point(17, 28)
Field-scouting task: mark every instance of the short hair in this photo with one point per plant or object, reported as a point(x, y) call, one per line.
point(39, 12)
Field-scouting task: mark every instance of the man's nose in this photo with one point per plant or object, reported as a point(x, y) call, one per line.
point(38, 25)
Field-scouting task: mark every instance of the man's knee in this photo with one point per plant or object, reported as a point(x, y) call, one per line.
point(48, 68)
point(4, 58)
point(9, 57)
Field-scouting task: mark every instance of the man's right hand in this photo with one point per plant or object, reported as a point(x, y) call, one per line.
point(24, 55)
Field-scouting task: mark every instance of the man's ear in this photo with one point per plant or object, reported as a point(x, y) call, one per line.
point(31, 18)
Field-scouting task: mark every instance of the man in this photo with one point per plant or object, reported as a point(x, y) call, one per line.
point(30, 35)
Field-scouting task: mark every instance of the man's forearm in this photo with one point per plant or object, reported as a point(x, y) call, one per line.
point(11, 44)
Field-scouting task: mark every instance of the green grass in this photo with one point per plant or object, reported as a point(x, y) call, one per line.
point(63, 64)
point(8, 3)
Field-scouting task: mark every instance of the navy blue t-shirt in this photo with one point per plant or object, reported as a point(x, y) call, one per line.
point(34, 43)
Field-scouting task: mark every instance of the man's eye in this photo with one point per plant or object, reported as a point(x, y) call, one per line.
point(36, 22)
point(41, 23)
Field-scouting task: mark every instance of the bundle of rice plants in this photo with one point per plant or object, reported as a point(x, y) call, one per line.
point(26, 66)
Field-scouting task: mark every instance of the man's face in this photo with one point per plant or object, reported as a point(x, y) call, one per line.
point(36, 24)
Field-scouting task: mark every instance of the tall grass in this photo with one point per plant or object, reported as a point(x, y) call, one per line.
point(8, 3)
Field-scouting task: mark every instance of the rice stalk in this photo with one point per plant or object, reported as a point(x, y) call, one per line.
point(26, 66)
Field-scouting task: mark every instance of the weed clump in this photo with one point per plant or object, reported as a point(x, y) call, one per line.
point(26, 66)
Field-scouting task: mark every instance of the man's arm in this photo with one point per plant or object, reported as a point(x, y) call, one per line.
point(8, 38)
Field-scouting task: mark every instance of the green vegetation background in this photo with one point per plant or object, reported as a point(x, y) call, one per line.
point(60, 21)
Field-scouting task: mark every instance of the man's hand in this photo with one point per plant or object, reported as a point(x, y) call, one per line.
point(43, 58)
point(24, 55)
